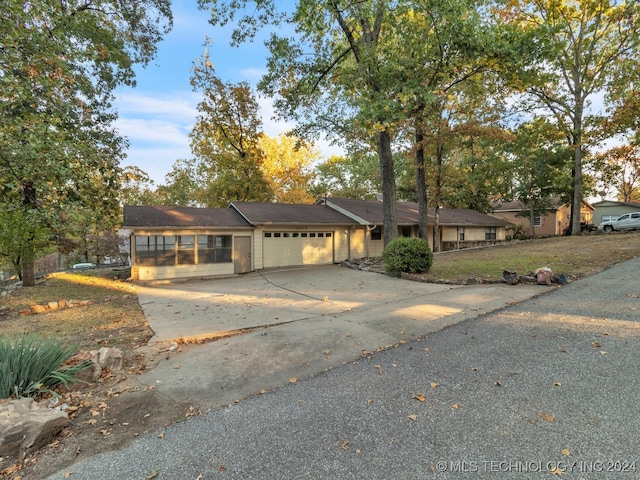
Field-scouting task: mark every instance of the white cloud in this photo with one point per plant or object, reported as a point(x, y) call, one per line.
point(156, 131)
point(177, 105)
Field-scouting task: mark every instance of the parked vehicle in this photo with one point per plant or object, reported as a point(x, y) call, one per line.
point(84, 266)
point(628, 221)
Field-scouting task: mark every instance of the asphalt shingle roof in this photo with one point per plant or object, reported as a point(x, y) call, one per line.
point(407, 213)
point(147, 216)
point(246, 214)
point(281, 213)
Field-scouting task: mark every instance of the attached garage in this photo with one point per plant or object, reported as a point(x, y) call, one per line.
point(309, 247)
point(295, 235)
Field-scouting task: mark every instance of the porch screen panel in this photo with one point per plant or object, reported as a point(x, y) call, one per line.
point(214, 248)
point(186, 250)
point(145, 250)
point(165, 250)
point(223, 248)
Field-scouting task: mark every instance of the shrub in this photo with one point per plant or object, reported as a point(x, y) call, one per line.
point(408, 255)
point(31, 365)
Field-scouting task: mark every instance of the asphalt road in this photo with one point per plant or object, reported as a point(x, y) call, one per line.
point(548, 386)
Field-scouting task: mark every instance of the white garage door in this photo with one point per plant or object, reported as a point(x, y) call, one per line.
point(281, 249)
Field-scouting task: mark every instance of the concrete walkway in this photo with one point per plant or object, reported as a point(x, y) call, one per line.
point(300, 322)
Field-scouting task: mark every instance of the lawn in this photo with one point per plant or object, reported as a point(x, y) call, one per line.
point(576, 257)
point(113, 318)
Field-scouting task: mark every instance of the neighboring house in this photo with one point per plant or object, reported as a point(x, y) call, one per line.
point(553, 222)
point(184, 242)
point(607, 210)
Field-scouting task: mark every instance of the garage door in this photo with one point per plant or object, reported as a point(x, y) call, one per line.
point(281, 249)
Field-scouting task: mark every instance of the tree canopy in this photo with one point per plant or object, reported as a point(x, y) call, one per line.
point(589, 40)
point(60, 62)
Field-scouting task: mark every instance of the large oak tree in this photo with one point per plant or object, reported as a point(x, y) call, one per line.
point(60, 61)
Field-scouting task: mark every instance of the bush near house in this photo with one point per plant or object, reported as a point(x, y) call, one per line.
point(407, 255)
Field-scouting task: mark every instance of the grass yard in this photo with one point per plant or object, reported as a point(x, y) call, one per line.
point(576, 257)
point(114, 319)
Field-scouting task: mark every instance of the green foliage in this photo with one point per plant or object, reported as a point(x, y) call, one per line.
point(407, 255)
point(225, 141)
point(348, 177)
point(30, 365)
point(60, 63)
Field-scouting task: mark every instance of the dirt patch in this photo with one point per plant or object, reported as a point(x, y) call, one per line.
point(106, 415)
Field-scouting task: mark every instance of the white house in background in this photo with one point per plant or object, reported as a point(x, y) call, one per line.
point(184, 242)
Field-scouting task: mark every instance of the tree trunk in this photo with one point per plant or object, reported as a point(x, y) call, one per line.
point(388, 178)
point(576, 202)
point(28, 269)
point(421, 186)
point(28, 257)
point(438, 194)
point(532, 220)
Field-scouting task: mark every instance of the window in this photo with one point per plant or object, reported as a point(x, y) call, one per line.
point(276, 235)
point(328, 234)
point(303, 235)
point(405, 231)
point(376, 233)
point(320, 235)
point(608, 218)
point(165, 250)
point(145, 250)
point(490, 233)
point(285, 234)
point(461, 234)
point(267, 234)
point(295, 234)
point(186, 250)
point(312, 235)
point(214, 248)
point(155, 250)
point(537, 221)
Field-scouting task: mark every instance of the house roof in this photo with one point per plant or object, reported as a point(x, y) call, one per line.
point(464, 217)
point(614, 203)
point(281, 213)
point(338, 211)
point(189, 217)
point(369, 212)
point(518, 206)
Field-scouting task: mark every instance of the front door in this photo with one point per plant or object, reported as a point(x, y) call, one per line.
point(241, 254)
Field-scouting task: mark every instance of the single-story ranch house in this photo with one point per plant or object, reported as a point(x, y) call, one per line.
point(184, 242)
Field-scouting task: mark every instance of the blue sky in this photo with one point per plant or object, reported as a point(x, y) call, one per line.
point(159, 113)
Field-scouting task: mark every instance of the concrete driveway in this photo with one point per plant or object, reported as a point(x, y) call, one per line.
point(296, 323)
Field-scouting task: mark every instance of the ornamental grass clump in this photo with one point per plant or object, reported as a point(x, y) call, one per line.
point(407, 255)
point(31, 365)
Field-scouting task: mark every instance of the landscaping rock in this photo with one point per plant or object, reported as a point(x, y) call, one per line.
point(26, 425)
point(38, 309)
point(109, 358)
point(543, 276)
